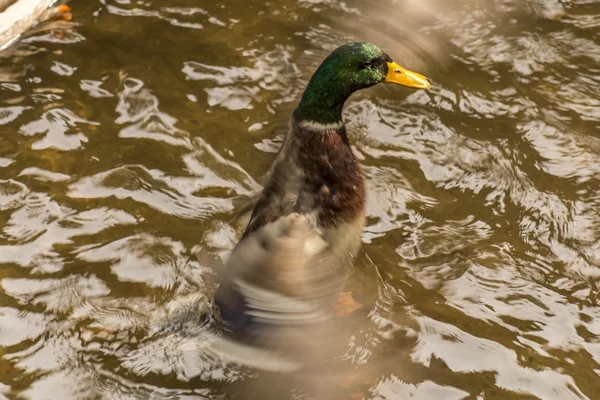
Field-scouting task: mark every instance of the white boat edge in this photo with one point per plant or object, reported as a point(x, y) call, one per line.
point(19, 17)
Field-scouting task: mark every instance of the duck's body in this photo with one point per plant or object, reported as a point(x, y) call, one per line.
point(316, 175)
point(305, 228)
point(17, 16)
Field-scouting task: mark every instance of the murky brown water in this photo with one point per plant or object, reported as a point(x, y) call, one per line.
point(131, 137)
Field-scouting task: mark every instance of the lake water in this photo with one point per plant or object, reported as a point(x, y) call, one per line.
point(131, 137)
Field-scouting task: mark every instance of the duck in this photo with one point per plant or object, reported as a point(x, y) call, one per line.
point(290, 265)
point(18, 16)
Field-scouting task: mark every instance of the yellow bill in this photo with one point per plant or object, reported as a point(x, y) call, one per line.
point(401, 76)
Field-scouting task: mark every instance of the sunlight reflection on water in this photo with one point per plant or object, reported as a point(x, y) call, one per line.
point(134, 136)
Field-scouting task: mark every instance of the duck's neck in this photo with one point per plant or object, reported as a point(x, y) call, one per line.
point(323, 99)
point(318, 127)
point(308, 131)
point(319, 112)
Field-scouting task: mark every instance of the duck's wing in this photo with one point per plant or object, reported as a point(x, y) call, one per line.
point(285, 191)
point(282, 273)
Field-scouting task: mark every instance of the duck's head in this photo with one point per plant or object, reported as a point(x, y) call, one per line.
point(349, 68)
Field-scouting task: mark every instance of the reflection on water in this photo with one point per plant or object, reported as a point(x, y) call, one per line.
point(134, 136)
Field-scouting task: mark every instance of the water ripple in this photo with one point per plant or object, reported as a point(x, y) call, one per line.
point(128, 158)
point(448, 343)
point(60, 129)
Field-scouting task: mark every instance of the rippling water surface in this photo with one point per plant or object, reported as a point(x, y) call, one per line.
point(132, 136)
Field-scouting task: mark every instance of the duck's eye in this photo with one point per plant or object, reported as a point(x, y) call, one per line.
point(366, 64)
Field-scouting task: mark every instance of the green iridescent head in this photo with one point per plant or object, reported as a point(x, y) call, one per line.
point(349, 68)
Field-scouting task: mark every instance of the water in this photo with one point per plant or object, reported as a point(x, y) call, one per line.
point(133, 135)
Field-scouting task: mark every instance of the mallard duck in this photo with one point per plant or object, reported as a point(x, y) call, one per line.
point(17, 16)
point(304, 231)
